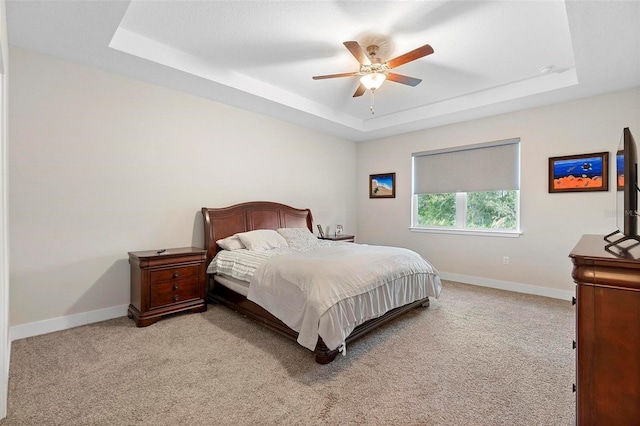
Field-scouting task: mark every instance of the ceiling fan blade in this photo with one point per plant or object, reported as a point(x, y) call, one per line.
point(357, 51)
point(345, 74)
point(360, 90)
point(410, 81)
point(410, 56)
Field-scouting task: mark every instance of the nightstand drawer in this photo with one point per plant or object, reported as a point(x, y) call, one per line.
point(165, 282)
point(169, 292)
point(173, 274)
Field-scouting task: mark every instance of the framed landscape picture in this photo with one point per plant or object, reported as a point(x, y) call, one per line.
point(382, 185)
point(579, 173)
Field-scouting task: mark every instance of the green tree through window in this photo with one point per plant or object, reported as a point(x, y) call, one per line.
point(437, 210)
point(482, 210)
point(491, 210)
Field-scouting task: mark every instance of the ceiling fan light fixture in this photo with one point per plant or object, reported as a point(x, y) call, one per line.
point(373, 80)
point(374, 71)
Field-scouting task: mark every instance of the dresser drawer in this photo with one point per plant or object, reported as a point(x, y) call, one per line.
point(177, 291)
point(177, 273)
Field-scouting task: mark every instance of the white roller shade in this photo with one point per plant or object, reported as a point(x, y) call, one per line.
point(493, 166)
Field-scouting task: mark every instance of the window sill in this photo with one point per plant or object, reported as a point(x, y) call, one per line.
point(488, 233)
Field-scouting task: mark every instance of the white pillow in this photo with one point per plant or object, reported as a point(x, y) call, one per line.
point(230, 243)
point(262, 239)
point(298, 237)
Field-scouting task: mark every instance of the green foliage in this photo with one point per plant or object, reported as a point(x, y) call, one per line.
point(485, 210)
point(437, 209)
point(491, 210)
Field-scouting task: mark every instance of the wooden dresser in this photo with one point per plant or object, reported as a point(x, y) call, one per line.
point(607, 333)
point(164, 282)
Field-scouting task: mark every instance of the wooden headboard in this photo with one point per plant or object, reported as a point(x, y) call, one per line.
point(223, 222)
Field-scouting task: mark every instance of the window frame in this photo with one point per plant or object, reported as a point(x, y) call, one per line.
point(461, 218)
point(461, 202)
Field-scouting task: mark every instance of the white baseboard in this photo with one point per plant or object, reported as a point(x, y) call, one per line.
point(510, 286)
point(62, 323)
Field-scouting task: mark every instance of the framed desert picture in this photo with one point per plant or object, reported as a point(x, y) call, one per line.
point(579, 173)
point(382, 185)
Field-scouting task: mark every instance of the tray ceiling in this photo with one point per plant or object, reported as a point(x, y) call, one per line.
point(490, 56)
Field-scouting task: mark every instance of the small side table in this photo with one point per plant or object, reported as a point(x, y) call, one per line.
point(347, 238)
point(166, 281)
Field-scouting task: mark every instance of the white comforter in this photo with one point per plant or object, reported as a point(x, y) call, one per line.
point(298, 288)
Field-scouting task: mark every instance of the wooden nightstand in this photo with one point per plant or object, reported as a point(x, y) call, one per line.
point(166, 282)
point(347, 238)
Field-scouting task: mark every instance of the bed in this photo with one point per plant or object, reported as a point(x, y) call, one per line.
point(227, 222)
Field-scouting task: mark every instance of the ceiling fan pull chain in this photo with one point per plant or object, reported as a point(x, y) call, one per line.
point(372, 102)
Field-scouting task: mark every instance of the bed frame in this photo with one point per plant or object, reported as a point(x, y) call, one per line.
point(223, 222)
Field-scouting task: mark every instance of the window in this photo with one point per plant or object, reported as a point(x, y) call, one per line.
point(469, 189)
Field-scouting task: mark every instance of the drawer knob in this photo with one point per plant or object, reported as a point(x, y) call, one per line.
point(175, 286)
point(176, 298)
point(176, 274)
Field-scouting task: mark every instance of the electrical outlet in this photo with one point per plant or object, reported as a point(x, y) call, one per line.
point(505, 260)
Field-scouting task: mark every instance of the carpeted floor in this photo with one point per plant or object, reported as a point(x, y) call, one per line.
point(476, 356)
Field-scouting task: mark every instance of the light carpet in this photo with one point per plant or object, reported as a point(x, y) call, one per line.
point(476, 356)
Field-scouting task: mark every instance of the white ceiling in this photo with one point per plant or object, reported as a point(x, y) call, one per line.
point(261, 55)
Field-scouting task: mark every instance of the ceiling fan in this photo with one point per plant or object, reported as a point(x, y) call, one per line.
point(374, 71)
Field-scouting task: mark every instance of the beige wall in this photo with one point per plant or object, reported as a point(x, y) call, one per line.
point(102, 165)
point(551, 223)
